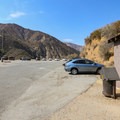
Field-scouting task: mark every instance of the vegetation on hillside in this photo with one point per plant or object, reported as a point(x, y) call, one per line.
point(96, 46)
point(107, 32)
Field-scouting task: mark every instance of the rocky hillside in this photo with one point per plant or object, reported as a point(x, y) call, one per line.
point(19, 41)
point(96, 46)
point(75, 46)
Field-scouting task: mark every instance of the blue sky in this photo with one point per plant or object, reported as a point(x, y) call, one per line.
point(67, 20)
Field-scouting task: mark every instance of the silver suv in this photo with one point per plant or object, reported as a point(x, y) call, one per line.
point(79, 65)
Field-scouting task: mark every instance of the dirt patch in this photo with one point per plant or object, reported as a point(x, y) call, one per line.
point(91, 105)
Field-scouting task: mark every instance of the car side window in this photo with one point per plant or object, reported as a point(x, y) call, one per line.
point(76, 62)
point(79, 62)
point(89, 62)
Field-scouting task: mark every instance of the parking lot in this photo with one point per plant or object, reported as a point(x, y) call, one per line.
point(33, 90)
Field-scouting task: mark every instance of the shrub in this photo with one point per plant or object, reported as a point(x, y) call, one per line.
point(96, 34)
point(111, 30)
point(88, 40)
point(104, 50)
point(71, 56)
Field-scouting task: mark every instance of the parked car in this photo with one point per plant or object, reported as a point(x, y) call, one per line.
point(57, 59)
point(37, 58)
point(64, 59)
point(4, 57)
point(50, 59)
point(43, 59)
point(11, 58)
point(25, 58)
point(79, 65)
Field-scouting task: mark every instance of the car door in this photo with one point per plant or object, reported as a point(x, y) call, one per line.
point(80, 65)
point(90, 66)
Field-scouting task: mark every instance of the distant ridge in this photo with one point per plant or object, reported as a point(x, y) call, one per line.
point(19, 41)
point(75, 46)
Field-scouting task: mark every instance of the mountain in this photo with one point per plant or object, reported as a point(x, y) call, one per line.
point(18, 41)
point(96, 44)
point(75, 46)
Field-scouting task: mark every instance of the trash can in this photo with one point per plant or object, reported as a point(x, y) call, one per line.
point(109, 88)
point(109, 77)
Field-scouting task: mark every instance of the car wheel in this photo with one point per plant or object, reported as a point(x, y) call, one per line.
point(74, 71)
point(98, 71)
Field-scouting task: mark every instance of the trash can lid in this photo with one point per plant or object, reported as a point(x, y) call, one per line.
point(109, 73)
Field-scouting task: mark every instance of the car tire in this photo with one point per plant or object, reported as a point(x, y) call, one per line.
point(74, 71)
point(98, 71)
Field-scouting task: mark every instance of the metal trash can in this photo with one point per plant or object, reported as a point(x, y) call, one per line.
point(109, 88)
point(109, 76)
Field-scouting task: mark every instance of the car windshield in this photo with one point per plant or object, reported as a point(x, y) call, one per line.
point(69, 60)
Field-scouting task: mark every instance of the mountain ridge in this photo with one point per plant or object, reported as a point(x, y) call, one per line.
point(75, 46)
point(19, 41)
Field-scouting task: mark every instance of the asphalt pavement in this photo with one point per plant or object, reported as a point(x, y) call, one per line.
point(17, 76)
point(32, 90)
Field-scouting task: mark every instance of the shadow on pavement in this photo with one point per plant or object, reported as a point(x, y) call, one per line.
point(85, 74)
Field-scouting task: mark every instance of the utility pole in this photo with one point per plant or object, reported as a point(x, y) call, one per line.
point(2, 41)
